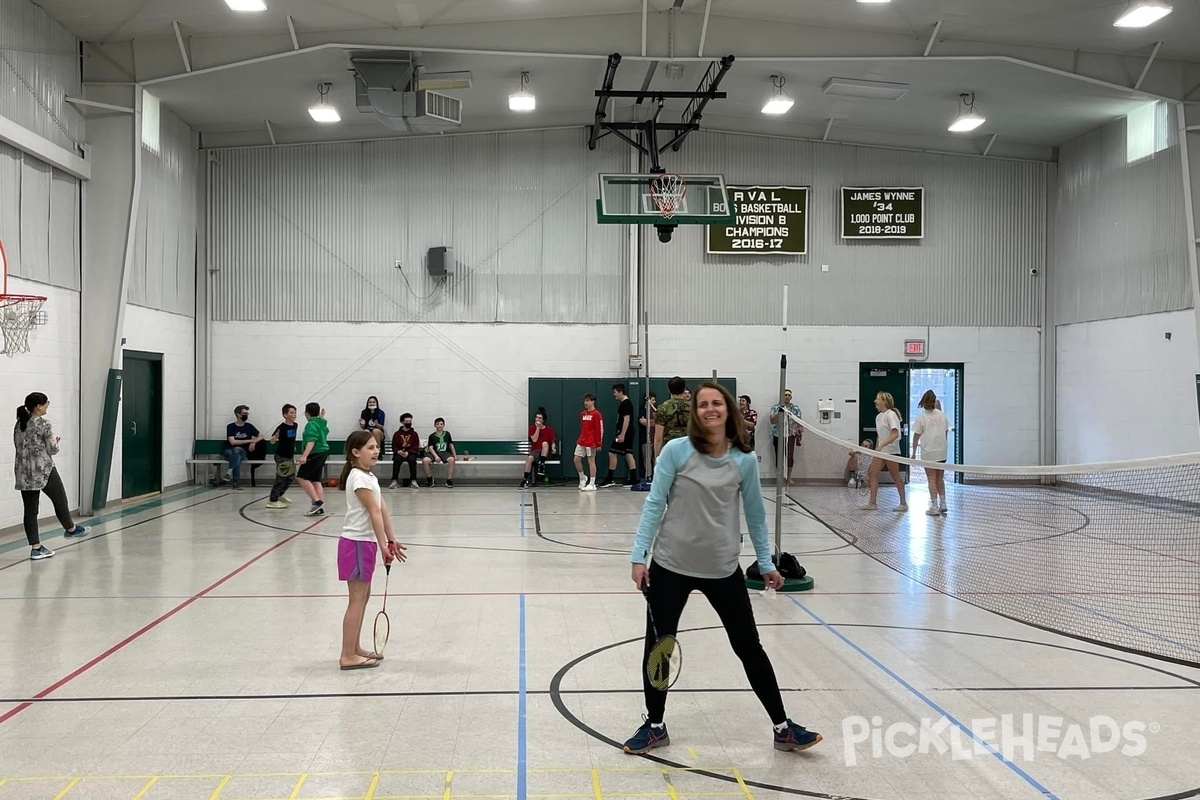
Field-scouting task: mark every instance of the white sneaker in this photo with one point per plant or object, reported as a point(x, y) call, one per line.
point(870, 507)
point(583, 486)
point(276, 504)
point(932, 511)
point(942, 510)
point(901, 508)
point(591, 487)
point(285, 500)
point(393, 485)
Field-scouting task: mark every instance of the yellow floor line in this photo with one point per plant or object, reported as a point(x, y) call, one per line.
point(296, 789)
point(742, 784)
point(449, 780)
point(670, 786)
point(596, 785)
point(146, 789)
point(70, 786)
point(221, 787)
point(374, 785)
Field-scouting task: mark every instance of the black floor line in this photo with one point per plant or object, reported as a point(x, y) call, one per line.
point(94, 537)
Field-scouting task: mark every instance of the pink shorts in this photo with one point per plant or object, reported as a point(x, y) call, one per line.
point(356, 560)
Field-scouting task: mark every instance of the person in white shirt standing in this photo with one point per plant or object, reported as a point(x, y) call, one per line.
point(367, 532)
point(887, 425)
point(930, 430)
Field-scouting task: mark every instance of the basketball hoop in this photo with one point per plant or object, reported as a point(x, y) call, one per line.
point(667, 191)
point(19, 313)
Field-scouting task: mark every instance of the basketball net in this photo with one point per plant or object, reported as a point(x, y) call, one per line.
point(19, 313)
point(667, 191)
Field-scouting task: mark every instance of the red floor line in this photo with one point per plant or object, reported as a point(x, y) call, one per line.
point(12, 712)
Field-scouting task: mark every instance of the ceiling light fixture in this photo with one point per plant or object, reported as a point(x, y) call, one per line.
point(1142, 13)
point(246, 5)
point(322, 111)
point(876, 2)
point(522, 99)
point(780, 102)
point(968, 119)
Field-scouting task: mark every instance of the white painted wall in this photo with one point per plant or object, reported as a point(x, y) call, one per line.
point(1000, 374)
point(1125, 390)
point(52, 367)
point(172, 335)
point(476, 375)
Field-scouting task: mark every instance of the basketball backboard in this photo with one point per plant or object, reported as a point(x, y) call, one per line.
point(627, 200)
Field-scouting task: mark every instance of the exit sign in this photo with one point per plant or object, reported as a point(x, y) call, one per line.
point(914, 349)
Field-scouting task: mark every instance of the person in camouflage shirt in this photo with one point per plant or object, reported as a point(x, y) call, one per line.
point(671, 418)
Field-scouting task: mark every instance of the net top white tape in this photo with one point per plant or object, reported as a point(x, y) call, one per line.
point(1181, 459)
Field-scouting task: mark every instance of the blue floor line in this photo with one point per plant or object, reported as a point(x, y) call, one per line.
point(1029, 779)
point(89, 522)
point(522, 777)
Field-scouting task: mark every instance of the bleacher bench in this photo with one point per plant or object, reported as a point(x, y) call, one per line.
point(206, 456)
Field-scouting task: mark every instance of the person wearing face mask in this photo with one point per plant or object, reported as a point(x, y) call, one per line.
point(406, 447)
point(240, 437)
point(372, 418)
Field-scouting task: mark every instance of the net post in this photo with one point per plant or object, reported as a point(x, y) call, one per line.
point(782, 427)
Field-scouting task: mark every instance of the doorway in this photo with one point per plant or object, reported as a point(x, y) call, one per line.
point(906, 382)
point(945, 380)
point(141, 420)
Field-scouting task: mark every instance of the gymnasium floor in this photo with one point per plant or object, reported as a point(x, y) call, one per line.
point(187, 649)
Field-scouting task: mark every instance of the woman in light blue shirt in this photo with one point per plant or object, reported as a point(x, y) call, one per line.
point(692, 524)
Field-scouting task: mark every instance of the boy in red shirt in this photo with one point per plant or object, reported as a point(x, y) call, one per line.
point(591, 439)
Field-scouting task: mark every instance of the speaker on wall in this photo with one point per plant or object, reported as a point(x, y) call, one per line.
point(439, 262)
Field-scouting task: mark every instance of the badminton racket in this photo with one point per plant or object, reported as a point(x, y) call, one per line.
point(383, 626)
point(666, 656)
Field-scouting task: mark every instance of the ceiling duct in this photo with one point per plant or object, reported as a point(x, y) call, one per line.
point(387, 83)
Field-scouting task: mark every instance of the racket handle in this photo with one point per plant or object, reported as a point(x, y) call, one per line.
point(387, 567)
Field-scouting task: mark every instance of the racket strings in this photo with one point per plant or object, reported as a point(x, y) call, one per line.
point(664, 663)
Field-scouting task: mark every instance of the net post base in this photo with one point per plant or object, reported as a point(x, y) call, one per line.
point(804, 584)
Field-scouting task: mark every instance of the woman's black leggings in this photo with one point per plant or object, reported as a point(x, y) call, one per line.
point(32, 499)
point(728, 596)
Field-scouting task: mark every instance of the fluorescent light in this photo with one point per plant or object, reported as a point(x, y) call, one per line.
point(967, 121)
point(246, 5)
point(779, 104)
point(1143, 13)
point(874, 1)
point(522, 101)
point(323, 112)
point(871, 90)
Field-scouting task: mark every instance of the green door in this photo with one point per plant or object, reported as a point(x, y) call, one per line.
point(141, 420)
point(893, 379)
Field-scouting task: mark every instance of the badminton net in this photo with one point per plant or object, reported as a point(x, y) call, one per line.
point(1108, 553)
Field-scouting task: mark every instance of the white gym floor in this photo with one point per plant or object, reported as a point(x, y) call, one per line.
point(187, 648)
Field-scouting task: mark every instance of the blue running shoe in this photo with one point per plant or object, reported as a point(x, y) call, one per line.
point(76, 532)
point(646, 739)
point(40, 552)
point(795, 737)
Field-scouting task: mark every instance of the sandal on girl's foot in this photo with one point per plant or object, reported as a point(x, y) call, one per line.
point(367, 664)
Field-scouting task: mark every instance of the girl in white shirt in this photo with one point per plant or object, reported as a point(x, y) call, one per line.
point(887, 424)
point(367, 531)
point(930, 429)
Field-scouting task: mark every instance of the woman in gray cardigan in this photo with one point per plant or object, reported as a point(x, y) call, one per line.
point(36, 445)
